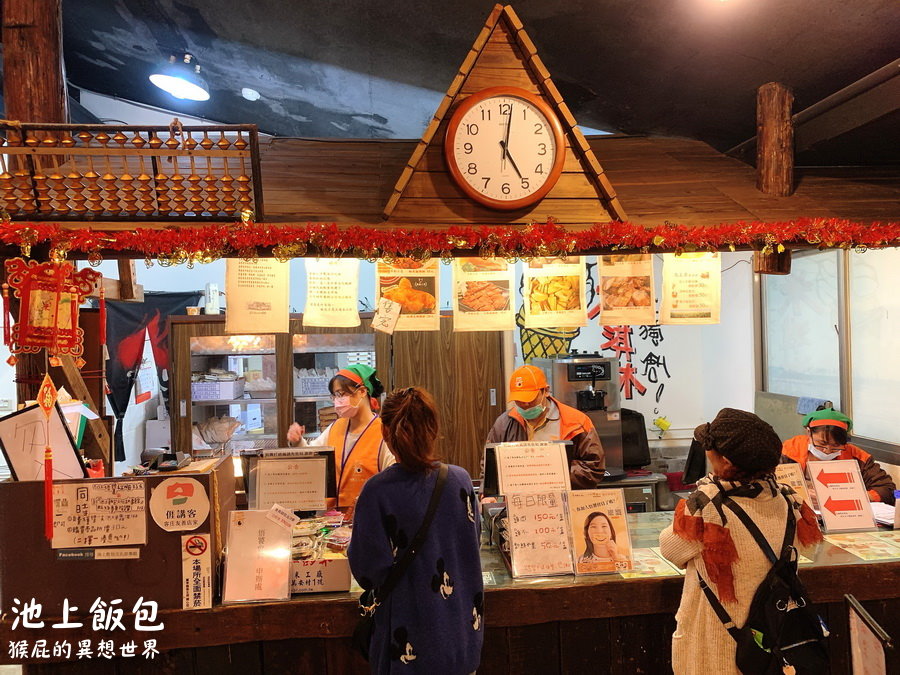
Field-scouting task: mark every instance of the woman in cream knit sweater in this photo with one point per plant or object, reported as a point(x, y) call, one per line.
point(743, 451)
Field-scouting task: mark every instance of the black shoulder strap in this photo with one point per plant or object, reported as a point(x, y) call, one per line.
point(399, 568)
point(717, 607)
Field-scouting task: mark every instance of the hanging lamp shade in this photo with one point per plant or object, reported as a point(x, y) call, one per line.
point(181, 78)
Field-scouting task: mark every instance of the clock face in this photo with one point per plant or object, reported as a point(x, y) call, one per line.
point(505, 148)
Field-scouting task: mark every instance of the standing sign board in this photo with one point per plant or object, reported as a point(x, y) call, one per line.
point(841, 495)
point(532, 467)
point(538, 535)
point(600, 537)
point(792, 475)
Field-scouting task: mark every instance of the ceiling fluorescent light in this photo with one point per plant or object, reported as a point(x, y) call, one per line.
point(181, 78)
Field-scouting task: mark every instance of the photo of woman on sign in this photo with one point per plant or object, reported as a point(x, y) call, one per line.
point(600, 540)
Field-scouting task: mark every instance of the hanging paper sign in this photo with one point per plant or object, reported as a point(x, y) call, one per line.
point(532, 467)
point(179, 504)
point(332, 288)
point(626, 290)
point(791, 474)
point(600, 538)
point(538, 534)
point(554, 293)
point(258, 563)
point(386, 316)
point(99, 513)
point(257, 296)
point(50, 295)
point(482, 289)
point(415, 287)
point(692, 288)
point(841, 495)
point(196, 572)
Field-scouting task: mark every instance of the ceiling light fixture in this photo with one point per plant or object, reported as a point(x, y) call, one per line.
point(181, 79)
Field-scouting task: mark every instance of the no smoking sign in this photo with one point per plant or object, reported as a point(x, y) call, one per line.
point(196, 545)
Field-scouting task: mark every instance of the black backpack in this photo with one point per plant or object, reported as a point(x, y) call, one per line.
point(781, 628)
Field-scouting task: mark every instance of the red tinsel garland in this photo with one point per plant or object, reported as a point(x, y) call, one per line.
point(204, 243)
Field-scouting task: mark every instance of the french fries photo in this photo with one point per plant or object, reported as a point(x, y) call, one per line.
point(554, 294)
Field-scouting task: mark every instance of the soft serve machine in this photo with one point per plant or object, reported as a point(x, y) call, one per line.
point(590, 383)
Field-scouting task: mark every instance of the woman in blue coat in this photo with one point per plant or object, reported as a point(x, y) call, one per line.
point(433, 620)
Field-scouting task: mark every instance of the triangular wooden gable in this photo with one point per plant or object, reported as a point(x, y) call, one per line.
point(503, 54)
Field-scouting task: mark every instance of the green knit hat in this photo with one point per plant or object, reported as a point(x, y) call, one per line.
point(828, 417)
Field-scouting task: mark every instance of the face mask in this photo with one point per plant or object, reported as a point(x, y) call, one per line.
point(818, 454)
point(344, 408)
point(531, 413)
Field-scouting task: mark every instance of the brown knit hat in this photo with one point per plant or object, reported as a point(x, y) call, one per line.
point(743, 438)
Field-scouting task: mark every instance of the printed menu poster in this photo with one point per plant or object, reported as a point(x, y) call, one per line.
point(554, 293)
point(538, 534)
point(532, 466)
point(99, 513)
point(792, 475)
point(626, 290)
point(865, 545)
point(258, 296)
point(332, 287)
point(600, 539)
point(482, 292)
point(415, 286)
point(692, 288)
point(258, 563)
point(841, 495)
point(296, 484)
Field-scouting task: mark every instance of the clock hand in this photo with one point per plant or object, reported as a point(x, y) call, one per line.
point(511, 160)
point(505, 143)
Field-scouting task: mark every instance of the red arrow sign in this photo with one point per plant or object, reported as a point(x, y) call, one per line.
point(827, 479)
point(835, 505)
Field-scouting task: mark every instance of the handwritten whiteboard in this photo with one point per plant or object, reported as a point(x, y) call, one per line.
point(538, 535)
point(23, 437)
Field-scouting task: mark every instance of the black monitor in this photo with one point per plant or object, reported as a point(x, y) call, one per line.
point(306, 452)
point(635, 446)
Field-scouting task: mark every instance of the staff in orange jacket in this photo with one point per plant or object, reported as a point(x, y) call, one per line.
point(537, 416)
point(826, 437)
point(359, 448)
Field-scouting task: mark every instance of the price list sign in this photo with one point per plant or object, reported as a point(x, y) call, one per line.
point(538, 535)
point(102, 513)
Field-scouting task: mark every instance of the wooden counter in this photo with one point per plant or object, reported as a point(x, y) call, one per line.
point(565, 625)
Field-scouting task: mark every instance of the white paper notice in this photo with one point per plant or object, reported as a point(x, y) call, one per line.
point(258, 564)
point(692, 288)
point(332, 289)
point(841, 495)
point(415, 286)
point(554, 293)
point(627, 296)
point(532, 467)
point(296, 484)
point(600, 538)
point(196, 572)
point(538, 534)
point(258, 296)
point(179, 504)
point(101, 513)
point(482, 289)
point(386, 316)
point(792, 475)
point(282, 516)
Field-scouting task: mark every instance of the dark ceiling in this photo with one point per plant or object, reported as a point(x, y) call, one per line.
point(359, 68)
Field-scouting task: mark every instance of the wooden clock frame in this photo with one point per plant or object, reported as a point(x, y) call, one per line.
point(555, 127)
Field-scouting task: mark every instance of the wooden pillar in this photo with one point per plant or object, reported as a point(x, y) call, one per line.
point(772, 262)
point(774, 140)
point(34, 90)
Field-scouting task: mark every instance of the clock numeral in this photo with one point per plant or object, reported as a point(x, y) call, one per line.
point(525, 184)
point(538, 128)
point(485, 115)
point(542, 148)
point(472, 168)
point(505, 188)
point(539, 169)
point(524, 113)
point(467, 148)
point(472, 129)
point(486, 181)
point(506, 108)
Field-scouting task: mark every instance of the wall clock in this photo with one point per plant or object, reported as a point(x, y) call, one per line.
point(505, 147)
